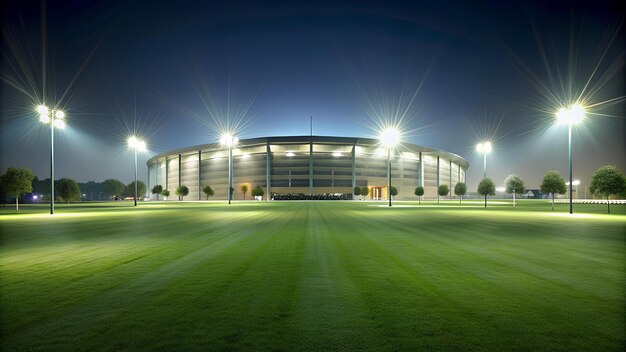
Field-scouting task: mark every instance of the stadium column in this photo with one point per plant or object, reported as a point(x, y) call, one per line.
point(311, 167)
point(420, 172)
point(199, 174)
point(268, 185)
point(179, 172)
point(353, 166)
point(450, 179)
point(438, 171)
point(167, 172)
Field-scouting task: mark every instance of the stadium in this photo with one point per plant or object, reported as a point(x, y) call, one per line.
point(311, 165)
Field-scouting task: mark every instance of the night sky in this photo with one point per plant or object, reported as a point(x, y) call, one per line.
point(451, 73)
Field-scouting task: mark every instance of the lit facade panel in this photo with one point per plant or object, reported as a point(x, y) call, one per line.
point(306, 164)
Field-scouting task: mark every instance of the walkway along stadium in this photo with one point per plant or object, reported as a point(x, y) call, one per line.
point(306, 164)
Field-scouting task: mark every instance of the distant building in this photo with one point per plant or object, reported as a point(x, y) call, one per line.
point(533, 194)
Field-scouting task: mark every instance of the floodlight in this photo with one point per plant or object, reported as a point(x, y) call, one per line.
point(337, 154)
point(59, 124)
point(42, 110)
point(484, 147)
point(141, 146)
point(290, 154)
point(390, 137)
point(59, 114)
point(229, 140)
point(572, 115)
point(132, 141)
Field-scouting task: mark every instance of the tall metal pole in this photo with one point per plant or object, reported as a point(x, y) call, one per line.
point(389, 173)
point(51, 163)
point(135, 149)
point(569, 132)
point(484, 164)
point(230, 172)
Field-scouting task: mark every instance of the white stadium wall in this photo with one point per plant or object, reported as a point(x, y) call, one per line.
point(306, 164)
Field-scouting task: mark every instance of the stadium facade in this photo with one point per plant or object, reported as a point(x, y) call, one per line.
point(306, 164)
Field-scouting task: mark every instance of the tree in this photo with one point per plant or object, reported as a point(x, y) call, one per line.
point(182, 191)
point(208, 191)
point(157, 189)
point(244, 189)
point(486, 187)
point(16, 182)
point(257, 191)
point(514, 184)
point(460, 189)
point(553, 183)
point(365, 191)
point(394, 191)
point(419, 191)
point(443, 191)
point(357, 191)
point(606, 181)
point(113, 187)
point(165, 193)
point(68, 189)
point(141, 189)
point(42, 187)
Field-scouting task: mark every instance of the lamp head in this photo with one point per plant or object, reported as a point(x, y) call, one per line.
point(229, 140)
point(390, 137)
point(484, 147)
point(60, 124)
point(132, 142)
point(42, 110)
point(572, 115)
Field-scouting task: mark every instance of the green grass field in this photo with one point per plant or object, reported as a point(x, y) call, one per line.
point(313, 276)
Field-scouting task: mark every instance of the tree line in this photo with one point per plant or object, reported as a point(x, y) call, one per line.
point(182, 191)
point(605, 181)
point(15, 182)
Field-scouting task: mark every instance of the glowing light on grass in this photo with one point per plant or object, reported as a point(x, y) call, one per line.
point(337, 154)
point(290, 154)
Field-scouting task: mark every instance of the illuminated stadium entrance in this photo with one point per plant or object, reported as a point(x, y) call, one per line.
point(378, 192)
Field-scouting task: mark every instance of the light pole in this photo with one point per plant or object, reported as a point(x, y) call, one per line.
point(55, 119)
point(229, 141)
point(485, 148)
point(140, 145)
point(572, 115)
point(389, 138)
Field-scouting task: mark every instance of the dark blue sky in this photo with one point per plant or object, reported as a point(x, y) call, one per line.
point(480, 69)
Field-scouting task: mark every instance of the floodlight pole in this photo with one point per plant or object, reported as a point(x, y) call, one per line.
point(135, 150)
point(569, 137)
point(389, 173)
point(230, 171)
point(484, 164)
point(51, 164)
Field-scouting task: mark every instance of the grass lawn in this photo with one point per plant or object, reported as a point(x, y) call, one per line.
point(313, 276)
